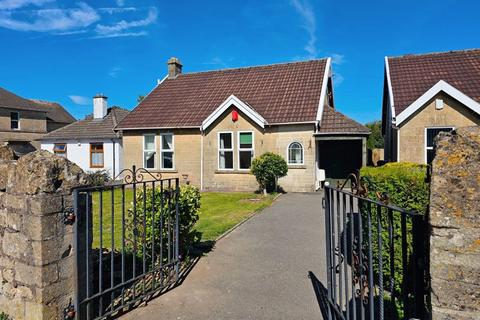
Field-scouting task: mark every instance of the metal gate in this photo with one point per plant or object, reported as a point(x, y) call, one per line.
point(126, 242)
point(376, 262)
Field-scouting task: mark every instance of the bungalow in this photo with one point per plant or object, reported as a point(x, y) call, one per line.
point(426, 94)
point(92, 142)
point(208, 126)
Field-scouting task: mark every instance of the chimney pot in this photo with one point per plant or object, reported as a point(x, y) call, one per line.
point(174, 67)
point(99, 106)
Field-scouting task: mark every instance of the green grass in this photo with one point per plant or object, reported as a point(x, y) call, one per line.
point(219, 212)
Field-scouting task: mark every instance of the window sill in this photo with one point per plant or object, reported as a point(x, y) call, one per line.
point(295, 166)
point(162, 171)
point(232, 171)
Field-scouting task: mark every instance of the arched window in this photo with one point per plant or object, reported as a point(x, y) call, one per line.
point(295, 153)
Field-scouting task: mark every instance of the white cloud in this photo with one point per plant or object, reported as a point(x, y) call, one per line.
point(337, 79)
point(120, 3)
point(305, 10)
point(217, 61)
point(338, 59)
point(121, 34)
point(121, 27)
point(15, 4)
point(81, 100)
point(114, 71)
point(47, 20)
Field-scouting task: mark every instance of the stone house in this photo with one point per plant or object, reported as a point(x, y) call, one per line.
point(23, 121)
point(91, 143)
point(208, 126)
point(425, 94)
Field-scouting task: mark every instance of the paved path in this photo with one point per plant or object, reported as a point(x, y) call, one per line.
point(258, 271)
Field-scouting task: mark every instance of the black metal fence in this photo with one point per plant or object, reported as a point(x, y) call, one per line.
point(376, 259)
point(127, 243)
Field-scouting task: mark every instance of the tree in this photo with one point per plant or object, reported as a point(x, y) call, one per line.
point(375, 140)
point(267, 169)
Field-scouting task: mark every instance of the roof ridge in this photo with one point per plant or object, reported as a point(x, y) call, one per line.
point(432, 53)
point(252, 67)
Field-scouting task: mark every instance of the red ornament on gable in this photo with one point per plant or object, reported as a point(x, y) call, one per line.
point(234, 115)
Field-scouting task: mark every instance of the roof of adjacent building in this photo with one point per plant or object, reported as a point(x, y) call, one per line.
point(90, 128)
point(412, 75)
point(334, 122)
point(281, 93)
point(53, 110)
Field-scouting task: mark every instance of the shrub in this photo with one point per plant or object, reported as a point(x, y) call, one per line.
point(267, 169)
point(188, 208)
point(4, 316)
point(406, 186)
point(98, 178)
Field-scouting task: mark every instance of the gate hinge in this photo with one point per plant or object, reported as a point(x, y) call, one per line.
point(69, 216)
point(69, 312)
point(323, 203)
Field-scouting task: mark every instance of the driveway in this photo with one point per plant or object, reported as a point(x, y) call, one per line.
point(258, 271)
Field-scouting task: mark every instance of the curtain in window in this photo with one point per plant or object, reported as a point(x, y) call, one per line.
point(295, 153)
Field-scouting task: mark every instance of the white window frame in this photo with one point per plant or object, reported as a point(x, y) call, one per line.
point(154, 150)
point(167, 150)
point(288, 154)
point(425, 140)
point(245, 149)
point(232, 150)
point(18, 121)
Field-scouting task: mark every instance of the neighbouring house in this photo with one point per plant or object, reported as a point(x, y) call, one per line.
point(23, 121)
point(208, 126)
point(92, 142)
point(426, 94)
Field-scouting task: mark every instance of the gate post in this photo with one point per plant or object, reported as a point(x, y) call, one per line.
point(418, 264)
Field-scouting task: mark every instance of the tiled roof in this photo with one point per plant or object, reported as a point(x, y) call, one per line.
point(90, 128)
point(334, 122)
point(412, 75)
point(281, 93)
point(53, 110)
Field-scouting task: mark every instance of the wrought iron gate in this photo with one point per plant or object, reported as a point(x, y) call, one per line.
point(127, 242)
point(376, 262)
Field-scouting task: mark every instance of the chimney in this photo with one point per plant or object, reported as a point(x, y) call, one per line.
point(174, 67)
point(99, 106)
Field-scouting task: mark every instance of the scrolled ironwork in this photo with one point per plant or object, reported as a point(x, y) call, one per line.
point(136, 175)
point(360, 271)
point(356, 185)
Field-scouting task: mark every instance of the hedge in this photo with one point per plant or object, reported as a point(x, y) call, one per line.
point(406, 186)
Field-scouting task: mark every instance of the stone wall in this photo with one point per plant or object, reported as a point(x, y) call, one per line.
point(455, 226)
point(36, 247)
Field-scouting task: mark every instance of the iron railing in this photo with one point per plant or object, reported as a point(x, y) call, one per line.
point(376, 258)
point(126, 242)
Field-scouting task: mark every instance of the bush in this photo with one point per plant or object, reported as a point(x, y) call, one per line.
point(98, 178)
point(267, 169)
point(188, 208)
point(407, 188)
point(4, 316)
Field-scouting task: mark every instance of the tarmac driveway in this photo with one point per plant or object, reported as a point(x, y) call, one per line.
point(258, 271)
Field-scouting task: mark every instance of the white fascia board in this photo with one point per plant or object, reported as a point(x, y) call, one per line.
point(390, 91)
point(323, 92)
point(438, 87)
point(242, 106)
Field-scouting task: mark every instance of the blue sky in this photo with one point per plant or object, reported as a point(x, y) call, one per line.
point(67, 51)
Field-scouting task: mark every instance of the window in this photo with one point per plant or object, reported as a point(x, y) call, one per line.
point(149, 153)
point(96, 155)
point(60, 149)
point(430, 134)
point(225, 151)
point(14, 120)
point(166, 151)
point(245, 150)
point(295, 153)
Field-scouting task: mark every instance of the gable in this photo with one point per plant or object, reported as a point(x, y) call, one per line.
point(441, 86)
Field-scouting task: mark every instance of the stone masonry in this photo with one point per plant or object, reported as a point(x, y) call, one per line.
point(455, 226)
point(36, 247)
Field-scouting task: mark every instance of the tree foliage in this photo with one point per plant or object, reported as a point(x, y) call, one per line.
point(375, 140)
point(267, 169)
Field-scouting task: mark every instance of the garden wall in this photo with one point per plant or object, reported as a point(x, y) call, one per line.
point(36, 246)
point(455, 226)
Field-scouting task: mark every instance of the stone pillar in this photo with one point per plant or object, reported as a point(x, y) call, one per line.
point(455, 226)
point(36, 256)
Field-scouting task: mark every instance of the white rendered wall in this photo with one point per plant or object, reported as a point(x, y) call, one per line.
point(78, 151)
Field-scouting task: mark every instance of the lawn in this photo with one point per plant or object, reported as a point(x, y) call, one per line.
point(219, 212)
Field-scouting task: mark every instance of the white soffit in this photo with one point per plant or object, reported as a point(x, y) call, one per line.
point(240, 105)
point(323, 92)
point(438, 87)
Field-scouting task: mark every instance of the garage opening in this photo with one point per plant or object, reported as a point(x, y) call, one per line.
point(340, 157)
